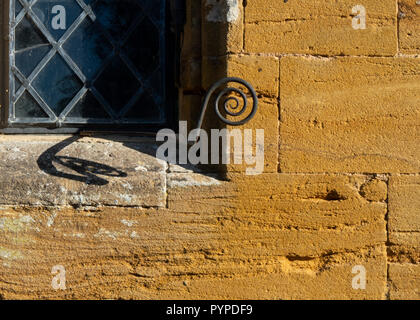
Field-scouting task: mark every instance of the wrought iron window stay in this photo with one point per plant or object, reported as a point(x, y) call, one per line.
point(234, 112)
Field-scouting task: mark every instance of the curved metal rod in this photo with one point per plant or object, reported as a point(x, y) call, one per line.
point(237, 112)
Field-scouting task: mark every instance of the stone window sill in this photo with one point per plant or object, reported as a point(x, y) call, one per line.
point(77, 171)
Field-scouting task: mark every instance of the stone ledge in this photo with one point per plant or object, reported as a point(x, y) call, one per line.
point(81, 171)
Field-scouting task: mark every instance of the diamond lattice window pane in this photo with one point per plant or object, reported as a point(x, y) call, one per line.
point(88, 107)
point(28, 35)
point(18, 7)
point(154, 8)
point(117, 16)
point(144, 55)
point(28, 59)
point(58, 75)
point(88, 48)
point(88, 61)
point(57, 16)
point(145, 108)
point(117, 84)
point(27, 107)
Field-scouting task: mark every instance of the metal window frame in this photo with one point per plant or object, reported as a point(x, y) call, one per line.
point(175, 20)
point(4, 62)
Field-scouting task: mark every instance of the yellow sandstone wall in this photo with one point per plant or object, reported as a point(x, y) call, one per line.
point(341, 185)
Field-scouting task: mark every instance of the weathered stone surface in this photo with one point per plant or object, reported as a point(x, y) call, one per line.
point(266, 119)
point(214, 242)
point(409, 26)
point(214, 69)
point(298, 215)
point(192, 192)
point(404, 248)
point(375, 190)
point(404, 219)
point(261, 72)
point(404, 281)
point(320, 27)
point(190, 108)
point(110, 253)
point(191, 75)
point(191, 45)
point(350, 115)
point(304, 221)
point(404, 204)
point(285, 278)
point(52, 171)
point(222, 27)
point(190, 70)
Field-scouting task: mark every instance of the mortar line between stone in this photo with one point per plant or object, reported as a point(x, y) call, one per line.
point(398, 26)
point(244, 4)
point(279, 119)
point(315, 56)
point(387, 293)
point(166, 185)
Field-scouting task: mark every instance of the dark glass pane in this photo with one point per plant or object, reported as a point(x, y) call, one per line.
point(117, 84)
point(57, 84)
point(18, 7)
point(145, 108)
point(155, 83)
point(28, 35)
point(57, 16)
point(116, 16)
point(143, 47)
point(88, 48)
point(88, 107)
point(27, 60)
point(27, 107)
point(154, 9)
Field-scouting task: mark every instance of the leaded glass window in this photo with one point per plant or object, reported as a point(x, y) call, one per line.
point(83, 62)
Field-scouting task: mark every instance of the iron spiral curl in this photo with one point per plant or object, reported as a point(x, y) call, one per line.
point(235, 110)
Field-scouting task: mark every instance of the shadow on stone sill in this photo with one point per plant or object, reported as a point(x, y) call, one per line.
point(90, 172)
